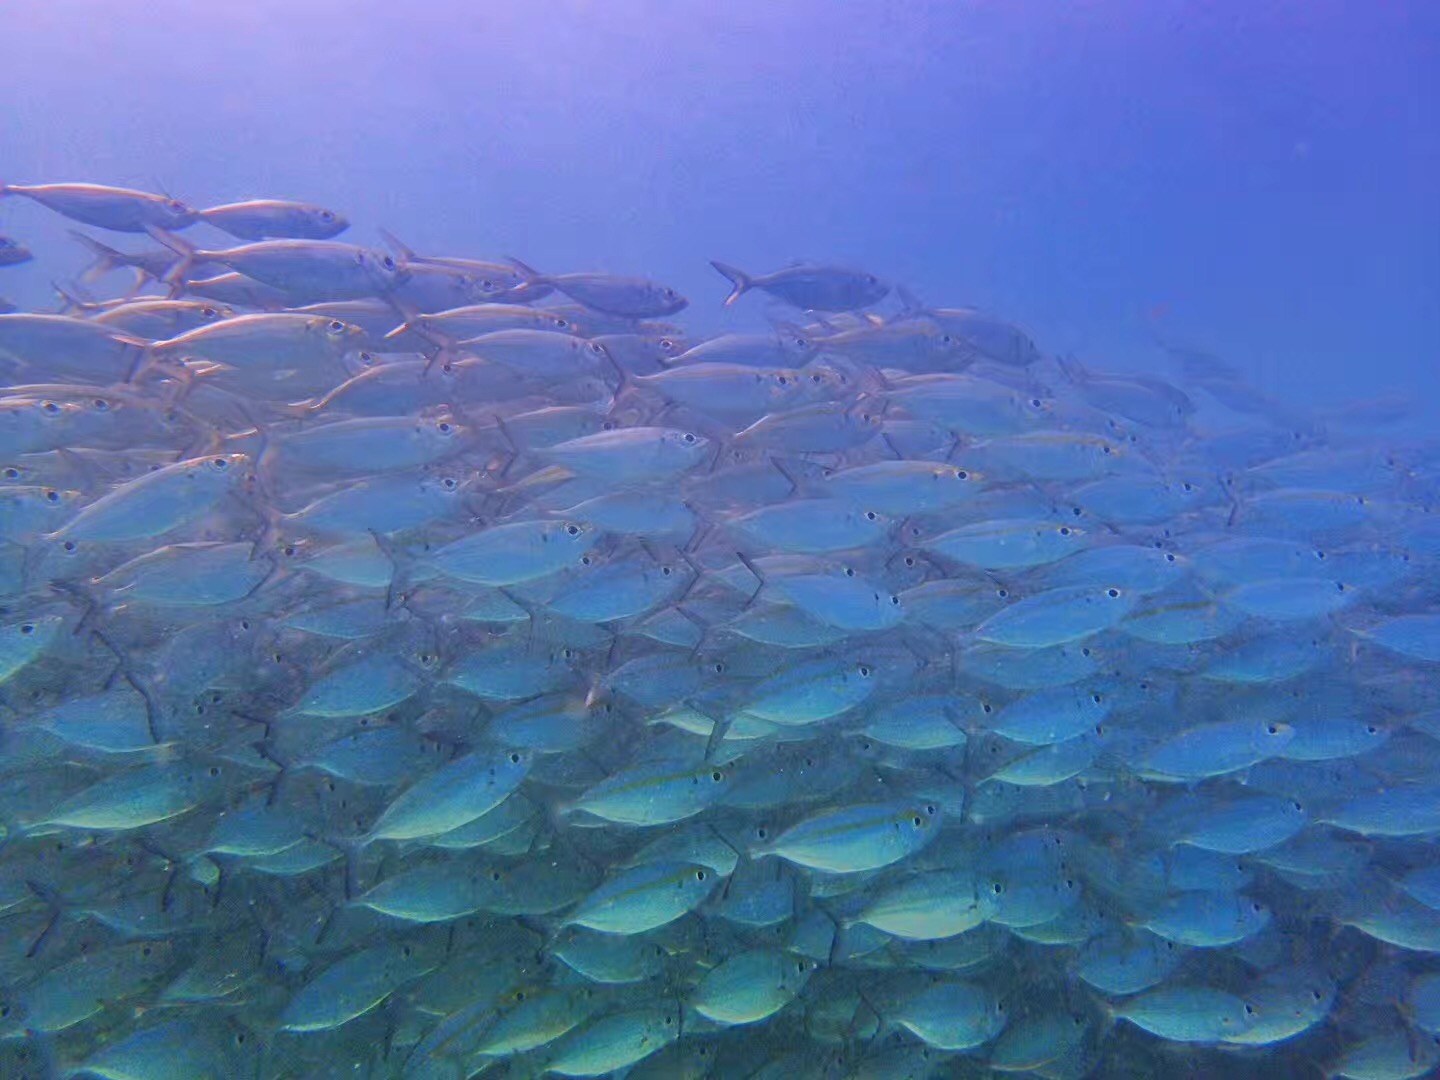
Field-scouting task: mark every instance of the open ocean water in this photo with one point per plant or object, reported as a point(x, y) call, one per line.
point(754, 540)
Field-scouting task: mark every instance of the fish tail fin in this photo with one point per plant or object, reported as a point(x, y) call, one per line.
point(84, 596)
point(395, 244)
point(412, 321)
point(529, 273)
point(1072, 368)
point(911, 306)
point(106, 257)
point(719, 729)
point(72, 299)
point(395, 593)
point(754, 570)
point(740, 282)
point(187, 253)
point(351, 847)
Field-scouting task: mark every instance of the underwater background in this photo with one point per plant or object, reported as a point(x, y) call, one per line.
point(929, 566)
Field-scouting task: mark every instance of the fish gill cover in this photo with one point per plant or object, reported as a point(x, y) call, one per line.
point(418, 662)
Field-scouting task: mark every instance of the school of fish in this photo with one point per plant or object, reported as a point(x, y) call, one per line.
point(426, 666)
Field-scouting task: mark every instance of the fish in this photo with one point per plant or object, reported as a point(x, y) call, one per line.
point(810, 288)
point(114, 208)
point(267, 219)
point(609, 294)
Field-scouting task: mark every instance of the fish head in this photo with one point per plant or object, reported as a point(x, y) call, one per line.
point(686, 444)
point(222, 468)
point(320, 223)
point(822, 381)
point(556, 322)
point(1035, 407)
point(795, 343)
point(175, 214)
point(340, 337)
point(440, 431)
point(667, 301)
point(384, 270)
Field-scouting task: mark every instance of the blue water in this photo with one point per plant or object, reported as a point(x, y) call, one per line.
point(1258, 182)
point(1262, 175)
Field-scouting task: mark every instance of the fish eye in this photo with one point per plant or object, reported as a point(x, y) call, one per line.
point(609, 425)
point(449, 483)
point(689, 437)
point(52, 496)
point(1106, 448)
point(514, 758)
point(12, 473)
point(178, 206)
point(585, 560)
point(214, 770)
point(101, 405)
point(1035, 402)
point(718, 667)
point(1003, 594)
point(444, 427)
point(1096, 698)
point(1272, 729)
point(27, 629)
point(1064, 530)
point(717, 776)
point(1112, 593)
point(931, 809)
point(761, 832)
point(894, 600)
point(699, 875)
point(666, 571)
point(870, 515)
point(668, 293)
point(49, 407)
point(572, 530)
point(327, 215)
point(597, 348)
point(1169, 557)
point(864, 671)
point(336, 326)
point(69, 545)
point(219, 464)
point(388, 263)
point(917, 821)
